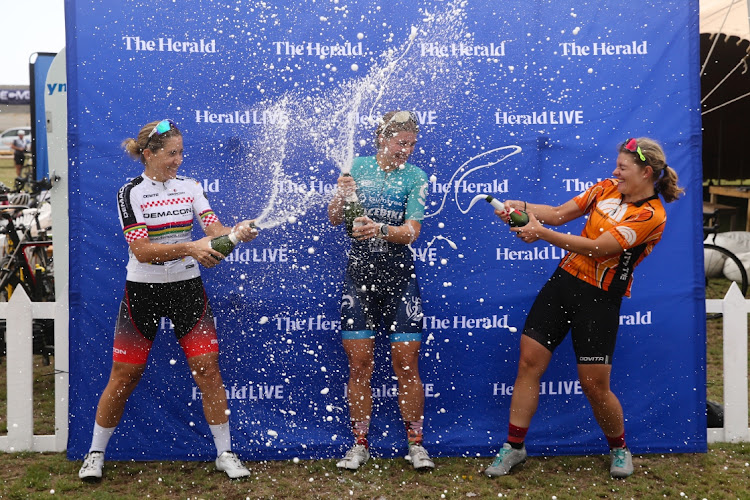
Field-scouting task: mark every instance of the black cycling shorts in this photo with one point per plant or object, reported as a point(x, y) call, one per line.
point(591, 314)
point(141, 310)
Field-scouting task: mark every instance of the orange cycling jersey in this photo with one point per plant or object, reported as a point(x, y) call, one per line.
point(636, 226)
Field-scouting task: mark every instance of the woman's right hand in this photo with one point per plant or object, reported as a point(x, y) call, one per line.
point(205, 255)
point(504, 214)
point(346, 185)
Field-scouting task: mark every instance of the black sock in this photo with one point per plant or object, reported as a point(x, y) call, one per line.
point(516, 446)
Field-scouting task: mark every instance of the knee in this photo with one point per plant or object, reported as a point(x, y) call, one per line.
point(406, 367)
point(207, 373)
point(361, 368)
point(595, 390)
point(125, 379)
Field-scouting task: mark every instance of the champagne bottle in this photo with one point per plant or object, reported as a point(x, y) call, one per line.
point(518, 218)
point(225, 244)
point(352, 209)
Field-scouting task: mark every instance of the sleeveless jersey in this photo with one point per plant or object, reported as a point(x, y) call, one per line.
point(163, 212)
point(636, 226)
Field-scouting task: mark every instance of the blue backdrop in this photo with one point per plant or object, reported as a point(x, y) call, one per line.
point(521, 100)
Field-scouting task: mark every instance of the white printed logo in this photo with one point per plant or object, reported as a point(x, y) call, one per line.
point(628, 234)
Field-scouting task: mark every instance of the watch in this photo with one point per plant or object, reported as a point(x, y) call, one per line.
point(383, 230)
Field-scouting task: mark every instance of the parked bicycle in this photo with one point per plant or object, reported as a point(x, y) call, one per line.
point(722, 266)
point(27, 262)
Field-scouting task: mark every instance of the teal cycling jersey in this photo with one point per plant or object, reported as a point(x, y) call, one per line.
point(388, 198)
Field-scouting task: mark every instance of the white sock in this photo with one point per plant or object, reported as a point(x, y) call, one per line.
point(222, 438)
point(101, 436)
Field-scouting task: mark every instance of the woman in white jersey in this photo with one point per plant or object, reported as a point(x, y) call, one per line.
point(157, 210)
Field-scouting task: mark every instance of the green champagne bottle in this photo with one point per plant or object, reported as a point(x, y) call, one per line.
point(352, 209)
point(518, 218)
point(225, 244)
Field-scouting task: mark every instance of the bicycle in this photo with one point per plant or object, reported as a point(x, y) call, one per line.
point(27, 263)
point(722, 266)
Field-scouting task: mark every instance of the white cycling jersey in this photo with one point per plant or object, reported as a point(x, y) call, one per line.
point(163, 212)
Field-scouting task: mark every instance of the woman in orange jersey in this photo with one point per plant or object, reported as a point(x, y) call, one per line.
point(626, 219)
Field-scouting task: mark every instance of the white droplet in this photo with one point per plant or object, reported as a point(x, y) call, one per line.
point(355, 67)
point(512, 329)
point(291, 219)
point(443, 261)
point(272, 433)
point(172, 361)
point(413, 33)
point(324, 391)
point(433, 178)
point(227, 412)
point(311, 250)
point(295, 460)
point(441, 225)
point(263, 320)
point(360, 36)
point(591, 70)
point(576, 30)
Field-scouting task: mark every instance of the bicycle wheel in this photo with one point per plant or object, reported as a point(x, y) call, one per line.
point(722, 268)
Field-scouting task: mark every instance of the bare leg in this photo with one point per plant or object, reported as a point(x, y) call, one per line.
point(361, 364)
point(532, 364)
point(205, 369)
point(607, 409)
point(122, 381)
point(405, 359)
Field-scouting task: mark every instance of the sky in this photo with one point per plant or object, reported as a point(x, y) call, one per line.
point(28, 26)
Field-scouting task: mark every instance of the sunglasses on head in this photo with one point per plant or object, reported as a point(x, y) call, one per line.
point(632, 146)
point(160, 128)
point(403, 117)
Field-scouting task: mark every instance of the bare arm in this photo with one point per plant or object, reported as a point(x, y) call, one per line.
point(547, 214)
point(606, 244)
point(147, 251)
point(345, 186)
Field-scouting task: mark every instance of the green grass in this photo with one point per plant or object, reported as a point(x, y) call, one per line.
point(7, 170)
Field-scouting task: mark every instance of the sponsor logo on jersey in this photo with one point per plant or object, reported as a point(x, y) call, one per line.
point(603, 49)
point(169, 44)
point(167, 213)
point(544, 117)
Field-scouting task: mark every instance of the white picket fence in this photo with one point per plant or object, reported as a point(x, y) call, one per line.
point(20, 311)
point(734, 309)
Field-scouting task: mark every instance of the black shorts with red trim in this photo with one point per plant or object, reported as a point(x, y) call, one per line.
point(144, 304)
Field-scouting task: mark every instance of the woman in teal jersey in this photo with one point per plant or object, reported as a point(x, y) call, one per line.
point(380, 287)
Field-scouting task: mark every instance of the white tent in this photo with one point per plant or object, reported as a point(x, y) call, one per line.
point(728, 17)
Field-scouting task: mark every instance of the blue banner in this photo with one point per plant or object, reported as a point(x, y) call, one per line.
point(521, 100)
point(38, 69)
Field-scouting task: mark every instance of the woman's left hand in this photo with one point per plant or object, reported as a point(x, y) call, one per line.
point(530, 232)
point(368, 230)
point(244, 231)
